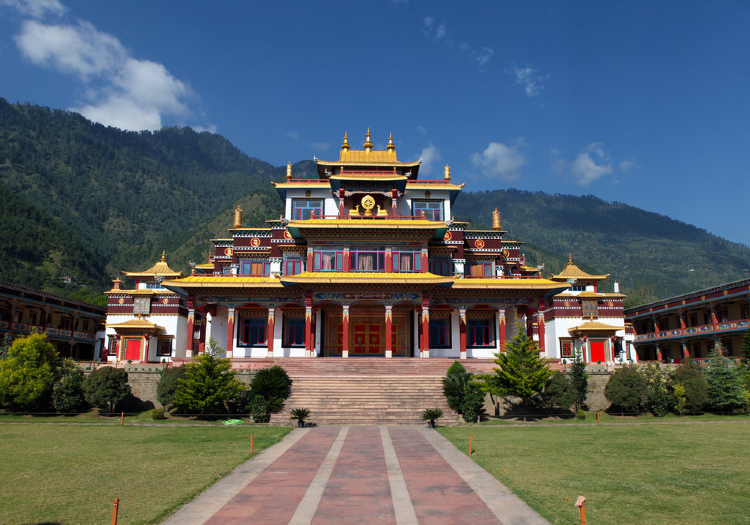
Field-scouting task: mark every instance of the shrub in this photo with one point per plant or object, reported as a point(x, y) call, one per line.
point(690, 376)
point(680, 400)
point(659, 398)
point(581, 415)
point(472, 406)
point(208, 384)
point(627, 390)
point(258, 410)
point(67, 394)
point(272, 387)
point(559, 393)
point(105, 387)
point(431, 414)
point(300, 414)
point(725, 390)
point(157, 413)
point(579, 378)
point(168, 384)
point(27, 375)
point(463, 395)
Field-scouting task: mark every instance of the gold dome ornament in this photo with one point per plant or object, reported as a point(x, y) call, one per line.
point(345, 145)
point(368, 203)
point(391, 146)
point(289, 172)
point(368, 141)
point(238, 217)
point(447, 172)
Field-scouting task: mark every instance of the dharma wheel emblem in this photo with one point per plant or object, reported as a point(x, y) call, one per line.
point(447, 236)
point(287, 235)
point(254, 241)
point(228, 251)
point(368, 202)
point(479, 243)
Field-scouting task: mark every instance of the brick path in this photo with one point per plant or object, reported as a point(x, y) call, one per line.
point(350, 475)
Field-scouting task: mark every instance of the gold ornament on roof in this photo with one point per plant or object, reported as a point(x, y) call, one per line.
point(238, 218)
point(289, 172)
point(447, 172)
point(164, 256)
point(368, 203)
point(391, 146)
point(496, 220)
point(345, 145)
point(368, 140)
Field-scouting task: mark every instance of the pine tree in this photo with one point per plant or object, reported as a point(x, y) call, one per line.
point(522, 372)
point(726, 390)
point(580, 380)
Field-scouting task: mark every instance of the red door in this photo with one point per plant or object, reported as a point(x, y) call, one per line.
point(597, 351)
point(133, 350)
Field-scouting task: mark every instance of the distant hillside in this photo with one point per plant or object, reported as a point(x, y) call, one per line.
point(84, 201)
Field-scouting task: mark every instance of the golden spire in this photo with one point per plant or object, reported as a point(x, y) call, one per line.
point(496, 220)
point(164, 256)
point(570, 258)
point(368, 141)
point(447, 172)
point(289, 172)
point(345, 145)
point(391, 146)
point(238, 217)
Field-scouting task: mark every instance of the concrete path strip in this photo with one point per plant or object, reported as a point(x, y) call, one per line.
point(402, 505)
point(508, 507)
point(213, 499)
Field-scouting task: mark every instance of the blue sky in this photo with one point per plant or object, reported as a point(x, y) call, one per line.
point(640, 102)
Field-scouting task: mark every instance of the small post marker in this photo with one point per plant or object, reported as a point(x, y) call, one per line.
point(115, 509)
point(122, 418)
point(598, 419)
point(252, 445)
point(291, 421)
point(469, 444)
point(581, 504)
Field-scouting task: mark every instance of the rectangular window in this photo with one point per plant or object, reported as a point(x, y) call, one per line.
point(255, 268)
point(253, 331)
point(141, 305)
point(442, 266)
point(367, 260)
point(164, 347)
point(293, 265)
point(578, 288)
point(407, 261)
point(328, 260)
point(589, 309)
point(294, 331)
point(566, 349)
point(479, 332)
point(440, 332)
point(433, 210)
point(481, 269)
point(112, 346)
point(303, 209)
point(744, 312)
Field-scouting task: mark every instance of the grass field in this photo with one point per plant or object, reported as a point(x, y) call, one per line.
point(673, 473)
point(60, 473)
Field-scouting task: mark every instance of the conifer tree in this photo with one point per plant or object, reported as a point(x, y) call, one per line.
point(725, 386)
point(522, 372)
point(580, 380)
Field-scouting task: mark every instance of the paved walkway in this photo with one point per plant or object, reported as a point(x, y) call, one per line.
point(349, 475)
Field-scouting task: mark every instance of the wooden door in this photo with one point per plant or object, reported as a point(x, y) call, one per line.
point(133, 349)
point(597, 351)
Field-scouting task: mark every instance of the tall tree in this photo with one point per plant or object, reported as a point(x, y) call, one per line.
point(580, 380)
point(28, 374)
point(726, 390)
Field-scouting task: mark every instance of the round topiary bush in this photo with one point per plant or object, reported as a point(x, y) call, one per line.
point(105, 387)
point(627, 390)
point(167, 385)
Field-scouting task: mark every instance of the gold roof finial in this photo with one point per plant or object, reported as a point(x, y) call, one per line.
point(238, 218)
point(289, 172)
point(368, 141)
point(570, 258)
point(496, 220)
point(447, 172)
point(164, 256)
point(345, 145)
point(391, 146)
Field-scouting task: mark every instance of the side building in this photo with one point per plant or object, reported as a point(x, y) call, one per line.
point(692, 324)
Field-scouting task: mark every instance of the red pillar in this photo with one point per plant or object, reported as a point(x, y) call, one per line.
point(230, 333)
point(271, 319)
point(714, 319)
point(425, 348)
point(394, 202)
point(341, 203)
point(308, 330)
point(425, 261)
point(540, 324)
point(462, 331)
point(656, 324)
point(345, 332)
point(388, 330)
point(501, 328)
point(309, 260)
point(388, 260)
point(682, 322)
point(658, 353)
point(190, 327)
point(346, 260)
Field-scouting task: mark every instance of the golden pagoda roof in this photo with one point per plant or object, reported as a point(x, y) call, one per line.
point(571, 271)
point(224, 281)
point(417, 185)
point(507, 284)
point(594, 326)
point(137, 324)
point(161, 269)
point(207, 266)
point(363, 222)
point(375, 278)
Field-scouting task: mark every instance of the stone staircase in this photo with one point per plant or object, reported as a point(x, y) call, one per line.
point(366, 391)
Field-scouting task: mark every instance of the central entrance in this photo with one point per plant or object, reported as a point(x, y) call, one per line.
point(367, 332)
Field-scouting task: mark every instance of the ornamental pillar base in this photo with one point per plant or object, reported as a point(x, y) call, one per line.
point(269, 354)
point(188, 353)
point(230, 353)
point(463, 355)
point(543, 355)
point(345, 353)
point(388, 354)
point(426, 353)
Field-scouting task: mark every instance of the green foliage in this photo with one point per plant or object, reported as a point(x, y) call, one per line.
point(680, 399)
point(726, 390)
point(522, 372)
point(627, 390)
point(431, 414)
point(67, 394)
point(473, 403)
point(27, 375)
point(579, 378)
point(6, 341)
point(659, 398)
point(259, 410)
point(690, 376)
point(559, 393)
point(580, 415)
point(167, 385)
point(208, 384)
point(157, 414)
point(300, 414)
point(455, 385)
point(105, 387)
point(272, 386)
point(745, 361)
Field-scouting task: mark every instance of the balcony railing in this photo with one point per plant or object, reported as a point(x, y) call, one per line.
point(692, 331)
point(512, 276)
point(392, 217)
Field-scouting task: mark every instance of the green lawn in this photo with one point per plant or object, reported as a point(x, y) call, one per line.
point(694, 473)
point(72, 474)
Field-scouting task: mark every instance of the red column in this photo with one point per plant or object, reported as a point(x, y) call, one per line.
point(685, 351)
point(230, 333)
point(271, 315)
point(682, 322)
point(425, 348)
point(501, 328)
point(656, 324)
point(308, 330)
point(540, 324)
point(309, 260)
point(388, 331)
point(530, 323)
point(388, 260)
point(346, 260)
point(425, 261)
point(462, 331)
point(658, 353)
point(345, 332)
point(190, 327)
point(312, 333)
point(394, 202)
point(714, 319)
point(341, 203)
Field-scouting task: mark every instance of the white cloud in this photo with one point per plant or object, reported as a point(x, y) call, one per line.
point(430, 157)
point(499, 161)
point(35, 8)
point(421, 129)
point(293, 135)
point(585, 170)
point(211, 128)
point(483, 56)
point(626, 165)
point(529, 78)
point(440, 31)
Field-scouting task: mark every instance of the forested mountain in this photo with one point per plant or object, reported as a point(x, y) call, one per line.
point(86, 201)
